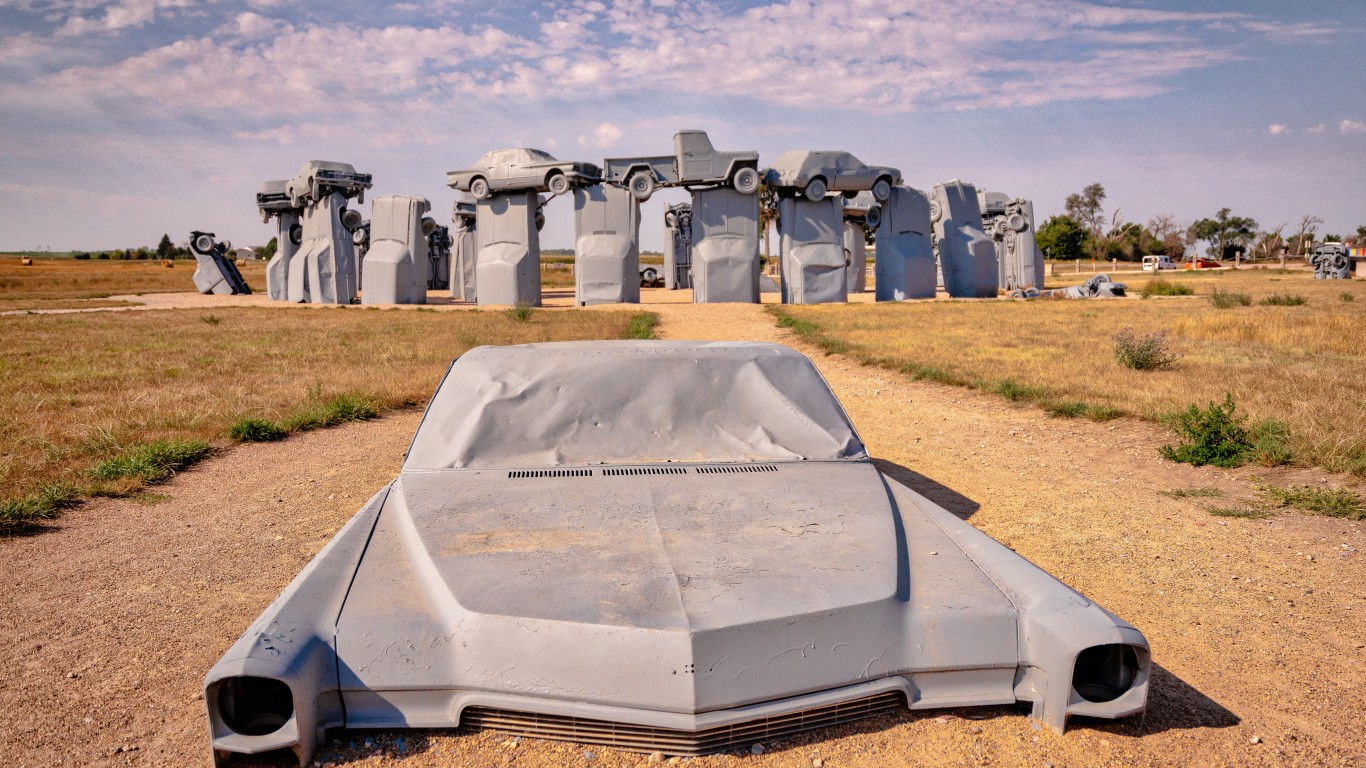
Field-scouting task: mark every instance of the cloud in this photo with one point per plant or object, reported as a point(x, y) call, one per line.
point(604, 136)
point(117, 15)
point(1315, 130)
point(1351, 126)
point(1276, 129)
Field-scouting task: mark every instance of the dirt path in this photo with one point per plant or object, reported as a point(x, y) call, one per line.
point(1258, 628)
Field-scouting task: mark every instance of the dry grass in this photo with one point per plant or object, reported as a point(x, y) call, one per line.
point(84, 389)
point(1300, 365)
point(64, 279)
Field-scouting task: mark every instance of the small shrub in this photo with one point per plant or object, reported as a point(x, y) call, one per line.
point(1269, 443)
point(1160, 287)
point(153, 462)
point(1143, 353)
point(642, 326)
point(1347, 296)
point(520, 313)
point(1251, 513)
point(797, 325)
point(1284, 300)
point(1213, 435)
point(1015, 392)
point(46, 505)
point(1222, 299)
point(1066, 410)
point(1104, 413)
point(1333, 502)
point(210, 319)
point(256, 431)
point(930, 373)
point(1203, 492)
point(338, 410)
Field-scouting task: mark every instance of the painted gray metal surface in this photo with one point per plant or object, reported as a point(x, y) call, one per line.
point(464, 250)
point(215, 272)
point(325, 269)
point(273, 202)
point(1331, 261)
point(397, 263)
point(748, 559)
point(439, 244)
point(514, 170)
point(1097, 287)
point(816, 173)
point(903, 257)
point(811, 249)
point(508, 265)
point(725, 248)
point(695, 162)
point(678, 246)
point(606, 246)
point(967, 256)
point(859, 211)
point(1009, 222)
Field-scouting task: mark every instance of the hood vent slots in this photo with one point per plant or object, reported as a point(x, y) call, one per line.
point(522, 474)
point(727, 469)
point(645, 471)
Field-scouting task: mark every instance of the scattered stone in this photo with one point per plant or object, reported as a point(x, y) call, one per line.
point(1255, 740)
point(127, 748)
point(816, 762)
point(199, 696)
point(975, 729)
point(71, 675)
point(757, 749)
point(656, 757)
point(945, 718)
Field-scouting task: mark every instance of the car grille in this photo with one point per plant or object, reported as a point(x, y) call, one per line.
point(641, 738)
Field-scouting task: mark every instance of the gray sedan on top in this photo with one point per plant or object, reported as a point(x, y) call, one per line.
point(513, 169)
point(815, 173)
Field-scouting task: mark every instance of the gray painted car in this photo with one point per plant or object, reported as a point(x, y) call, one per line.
point(816, 173)
point(505, 170)
point(695, 162)
point(655, 545)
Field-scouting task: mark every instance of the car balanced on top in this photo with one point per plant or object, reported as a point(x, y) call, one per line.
point(504, 170)
point(694, 163)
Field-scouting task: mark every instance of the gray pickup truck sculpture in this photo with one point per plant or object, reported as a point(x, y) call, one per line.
point(694, 162)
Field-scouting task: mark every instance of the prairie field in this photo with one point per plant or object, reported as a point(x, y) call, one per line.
point(82, 389)
point(1302, 366)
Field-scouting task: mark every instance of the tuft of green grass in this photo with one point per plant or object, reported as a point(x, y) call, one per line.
point(1270, 443)
point(1014, 391)
point(1250, 513)
point(520, 313)
point(1222, 299)
point(642, 326)
point(1284, 300)
point(1332, 502)
point(47, 504)
point(153, 462)
point(1143, 353)
point(210, 319)
point(248, 430)
point(1202, 492)
point(1161, 287)
point(930, 373)
point(1213, 435)
point(338, 410)
point(1067, 409)
point(1104, 413)
point(1347, 296)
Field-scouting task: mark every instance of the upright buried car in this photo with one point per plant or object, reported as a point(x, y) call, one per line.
point(674, 546)
point(511, 169)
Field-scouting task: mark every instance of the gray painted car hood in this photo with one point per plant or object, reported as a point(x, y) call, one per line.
point(631, 590)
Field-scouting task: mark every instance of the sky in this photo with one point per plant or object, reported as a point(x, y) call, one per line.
point(124, 119)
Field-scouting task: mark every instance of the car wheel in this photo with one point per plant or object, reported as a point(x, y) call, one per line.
point(648, 277)
point(746, 181)
point(815, 190)
point(642, 185)
point(203, 244)
point(479, 187)
point(1016, 222)
point(670, 220)
point(874, 216)
point(296, 234)
point(558, 184)
point(882, 189)
point(935, 210)
point(351, 219)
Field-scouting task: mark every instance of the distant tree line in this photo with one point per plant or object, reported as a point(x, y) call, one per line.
point(1084, 232)
point(165, 249)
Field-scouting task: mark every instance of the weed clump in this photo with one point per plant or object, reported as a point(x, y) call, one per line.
point(520, 313)
point(46, 505)
point(338, 410)
point(1269, 446)
point(1347, 296)
point(1213, 435)
point(1066, 410)
point(1015, 392)
point(153, 462)
point(1250, 513)
point(248, 430)
point(1333, 502)
point(1284, 300)
point(1203, 492)
point(1222, 299)
point(642, 326)
point(1161, 287)
point(1143, 353)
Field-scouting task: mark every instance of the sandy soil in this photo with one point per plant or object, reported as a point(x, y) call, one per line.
point(109, 620)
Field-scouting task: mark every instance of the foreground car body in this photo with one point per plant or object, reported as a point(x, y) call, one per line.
point(512, 169)
point(679, 547)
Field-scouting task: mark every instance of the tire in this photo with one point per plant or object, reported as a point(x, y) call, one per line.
point(1000, 227)
point(351, 219)
point(882, 189)
point(296, 234)
point(642, 185)
point(648, 278)
point(1016, 222)
point(670, 220)
point(815, 190)
point(203, 244)
point(558, 183)
point(874, 216)
point(540, 220)
point(745, 181)
point(479, 187)
point(935, 211)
